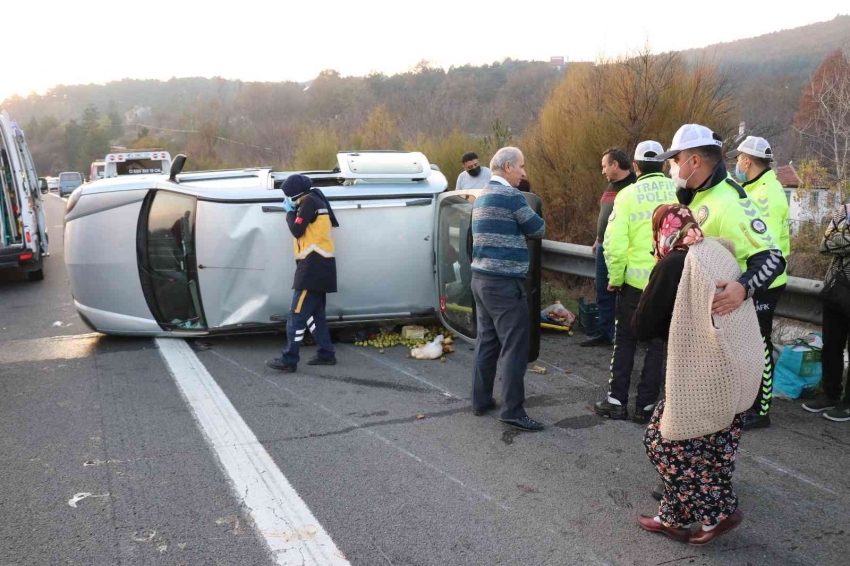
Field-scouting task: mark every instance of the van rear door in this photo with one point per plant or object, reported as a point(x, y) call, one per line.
point(453, 270)
point(34, 190)
point(21, 197)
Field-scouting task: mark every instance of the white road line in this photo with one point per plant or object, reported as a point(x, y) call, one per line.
point(359, 427)
point(555, 530)
point(778, 468)
point(392, 365)
point(290, 530)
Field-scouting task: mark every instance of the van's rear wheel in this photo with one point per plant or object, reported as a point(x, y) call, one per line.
point(36, 275)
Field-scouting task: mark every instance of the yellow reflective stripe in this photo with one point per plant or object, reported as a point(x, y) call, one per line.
point(313, 248)
point(301, 301)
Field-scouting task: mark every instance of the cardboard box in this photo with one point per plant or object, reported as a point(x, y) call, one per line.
point(413, 332)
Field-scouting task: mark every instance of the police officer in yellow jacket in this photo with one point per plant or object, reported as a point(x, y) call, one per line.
point(628, 255)
point(310, 219)
point(724, 210)
point(766, 193)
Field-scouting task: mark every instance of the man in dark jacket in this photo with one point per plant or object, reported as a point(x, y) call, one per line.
point(310, 219)
point(617, 168)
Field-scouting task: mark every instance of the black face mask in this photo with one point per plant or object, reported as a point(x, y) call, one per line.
point(475, 171)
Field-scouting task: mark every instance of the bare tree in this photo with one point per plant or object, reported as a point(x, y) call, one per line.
point(823, 121)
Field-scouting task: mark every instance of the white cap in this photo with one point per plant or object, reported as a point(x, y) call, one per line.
point(690, 136)
point(648, 147)
point(757, 147)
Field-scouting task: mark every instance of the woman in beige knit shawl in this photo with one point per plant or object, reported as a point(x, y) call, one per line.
point(714, 366)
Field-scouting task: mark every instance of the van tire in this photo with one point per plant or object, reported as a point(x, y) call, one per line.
point(37, 275)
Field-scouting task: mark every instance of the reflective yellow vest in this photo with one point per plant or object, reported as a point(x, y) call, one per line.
point(628, 238)
point(768, 195)
point(317, 237)
point(722, 213)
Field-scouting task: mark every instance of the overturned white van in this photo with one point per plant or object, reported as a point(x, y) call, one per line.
point(210, 252)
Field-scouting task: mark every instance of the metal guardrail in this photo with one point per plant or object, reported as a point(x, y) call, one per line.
point(798, 302)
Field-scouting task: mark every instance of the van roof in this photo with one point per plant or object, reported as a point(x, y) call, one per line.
point(358, 174)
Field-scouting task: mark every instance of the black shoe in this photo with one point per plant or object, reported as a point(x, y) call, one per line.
point(280, 365)
point(611, 411)
point(839, 414)
point(594, 341)
point(642, 416)
point(484, 409)
point(525, 423)
point(754, 420)
point(317, 361)
point(658, 492)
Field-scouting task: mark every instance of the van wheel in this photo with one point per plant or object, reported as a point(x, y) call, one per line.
point(36, 275)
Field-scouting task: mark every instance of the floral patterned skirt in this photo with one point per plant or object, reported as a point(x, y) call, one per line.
point(697, 473)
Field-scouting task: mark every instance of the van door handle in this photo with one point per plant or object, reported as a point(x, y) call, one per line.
point(273, 209)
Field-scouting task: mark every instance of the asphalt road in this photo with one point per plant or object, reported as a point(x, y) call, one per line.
point(83, 413)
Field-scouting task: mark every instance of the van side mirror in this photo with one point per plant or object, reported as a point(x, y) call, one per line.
point(177, 167)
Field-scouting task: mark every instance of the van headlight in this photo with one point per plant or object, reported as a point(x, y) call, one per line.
point(73, 199)
point(72, 202)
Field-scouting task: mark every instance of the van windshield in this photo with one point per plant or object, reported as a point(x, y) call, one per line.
point(69, 176)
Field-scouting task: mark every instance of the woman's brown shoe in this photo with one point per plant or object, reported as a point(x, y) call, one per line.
point(704, 537)
point(653, 526)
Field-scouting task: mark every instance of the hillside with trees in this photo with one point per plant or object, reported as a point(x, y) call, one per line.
point(769, 72)
point(220, 122)
point(564, 117)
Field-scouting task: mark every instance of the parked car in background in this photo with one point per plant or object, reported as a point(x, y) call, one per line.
point(68, 181)
point(53, 183)
point(210, 252)
point(23, 230)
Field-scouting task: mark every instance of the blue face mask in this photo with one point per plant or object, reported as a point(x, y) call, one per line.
point(740, 174)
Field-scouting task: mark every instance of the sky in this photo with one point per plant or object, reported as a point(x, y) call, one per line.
point(88, 41)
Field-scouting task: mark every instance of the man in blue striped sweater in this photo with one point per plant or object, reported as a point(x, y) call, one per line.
point(501, 222)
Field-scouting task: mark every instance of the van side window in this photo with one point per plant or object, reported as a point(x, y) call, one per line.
point(171, 263)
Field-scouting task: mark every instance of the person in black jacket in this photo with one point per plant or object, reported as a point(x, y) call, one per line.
point(310, 219)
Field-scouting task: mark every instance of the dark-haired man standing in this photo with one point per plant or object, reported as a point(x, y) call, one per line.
point(629, 256)
point(474, 176)
point(616, 166)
